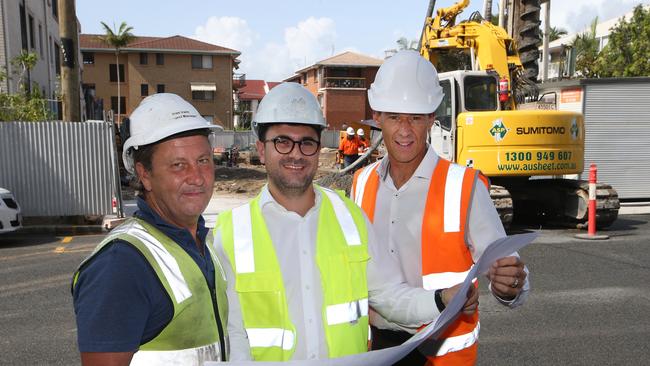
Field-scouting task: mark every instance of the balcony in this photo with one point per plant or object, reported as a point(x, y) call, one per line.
point(345, 82)
point(238, 81)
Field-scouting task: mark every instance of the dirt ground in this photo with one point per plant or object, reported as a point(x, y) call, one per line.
point(247, 179)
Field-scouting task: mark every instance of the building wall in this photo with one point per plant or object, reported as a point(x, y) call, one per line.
point(343, 106)
point(176, 74)
point(45, 34)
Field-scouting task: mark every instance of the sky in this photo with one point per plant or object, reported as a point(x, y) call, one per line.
point(276, 38)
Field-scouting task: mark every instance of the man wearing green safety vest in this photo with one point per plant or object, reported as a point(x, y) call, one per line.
point(139, 297)
point(302, 264)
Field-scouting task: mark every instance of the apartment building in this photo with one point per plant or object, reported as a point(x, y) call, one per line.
point(340, 83)
point(200, 72)
point(30, 26)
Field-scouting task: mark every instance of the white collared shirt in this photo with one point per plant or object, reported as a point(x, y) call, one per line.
point(398, 219)
point(294, 240)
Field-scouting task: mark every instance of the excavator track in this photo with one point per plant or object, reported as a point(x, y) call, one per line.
point(503, 203)
point(562, 202)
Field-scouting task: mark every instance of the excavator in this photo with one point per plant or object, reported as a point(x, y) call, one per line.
point(491, 119)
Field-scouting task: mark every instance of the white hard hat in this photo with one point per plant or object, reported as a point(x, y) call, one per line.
point(289, 103)
point(406, 83)
point(360, 132)
point(157, 117)
point(350, 131)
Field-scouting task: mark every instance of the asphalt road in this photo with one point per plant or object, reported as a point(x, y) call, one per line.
point(589, 303)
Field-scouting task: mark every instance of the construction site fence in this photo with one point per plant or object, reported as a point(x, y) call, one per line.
point(58, 168)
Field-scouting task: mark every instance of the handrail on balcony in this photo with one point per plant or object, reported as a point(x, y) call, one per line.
point(344, 82)
point(238, 80)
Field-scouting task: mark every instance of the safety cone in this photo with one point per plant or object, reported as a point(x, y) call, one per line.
point(591, 223)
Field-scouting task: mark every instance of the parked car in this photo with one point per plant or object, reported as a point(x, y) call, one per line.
point(10, 214)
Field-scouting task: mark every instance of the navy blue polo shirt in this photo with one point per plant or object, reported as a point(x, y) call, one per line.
point(119, 301)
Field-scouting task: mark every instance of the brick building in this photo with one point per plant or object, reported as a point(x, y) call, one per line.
point(200, 72)
point(340, 83)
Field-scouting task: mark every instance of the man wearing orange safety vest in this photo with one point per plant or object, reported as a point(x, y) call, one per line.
point(437, 216)
point(349, 147)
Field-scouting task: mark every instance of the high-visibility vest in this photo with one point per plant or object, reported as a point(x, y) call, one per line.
point(341, 256)
point(197, 331)
point(446, 258)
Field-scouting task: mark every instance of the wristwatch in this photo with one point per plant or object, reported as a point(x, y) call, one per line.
point(439, 303)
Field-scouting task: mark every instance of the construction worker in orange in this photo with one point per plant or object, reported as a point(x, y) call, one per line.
point(363, 145)
point(349, 147)
point(437, 216)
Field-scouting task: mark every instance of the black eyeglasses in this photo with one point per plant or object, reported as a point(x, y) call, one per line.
point(285, 145)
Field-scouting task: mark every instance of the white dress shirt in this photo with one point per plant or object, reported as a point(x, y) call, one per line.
point(398, 219)
point(294, 240)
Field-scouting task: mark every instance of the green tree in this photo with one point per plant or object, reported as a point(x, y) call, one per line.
point(117, 38)
point(585, 46)
point(23, 105)
point(627, 53)
point(24, 62)
point(556, 33)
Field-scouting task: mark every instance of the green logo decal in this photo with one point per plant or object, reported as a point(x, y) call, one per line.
point(498, 130)
point(574, 129)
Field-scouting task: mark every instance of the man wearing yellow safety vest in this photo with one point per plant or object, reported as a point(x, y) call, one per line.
point(140, 296)
point(437, 216)
point(302, 263)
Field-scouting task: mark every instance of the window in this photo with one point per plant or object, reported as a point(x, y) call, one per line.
point(202, 95)
point(88, 58)
point(122, 104)
point(160, 58)
point(201, 61)
point(480, 93)
point(23, 27)
point(55, 9)
point(144, 90)
point(57, 59)
point(51, 50)
point(144, 58)
point(32, 42)
point(444, 111)
point(112, 70)
point(40, 39)
point(160, 88)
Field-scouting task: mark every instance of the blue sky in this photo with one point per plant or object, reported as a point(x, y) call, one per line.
point(279, 37)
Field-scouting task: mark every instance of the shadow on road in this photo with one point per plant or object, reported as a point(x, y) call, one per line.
point(18, 239)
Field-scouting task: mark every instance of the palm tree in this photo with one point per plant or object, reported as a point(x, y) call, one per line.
point(556, 33)
point(586, 46)
point(117, 39)
point(404, 44)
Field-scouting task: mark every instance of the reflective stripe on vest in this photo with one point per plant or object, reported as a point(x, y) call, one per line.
point(165, 260)
point(460, 342)
point(453, 191)
point(244, 254)
point(190, 357)
point(361, 181)
point(271, 337)
point(435, 281)
point(348, 312)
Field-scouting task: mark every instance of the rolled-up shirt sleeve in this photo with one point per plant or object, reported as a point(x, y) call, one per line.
point(390, 295)
point(484, 228)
